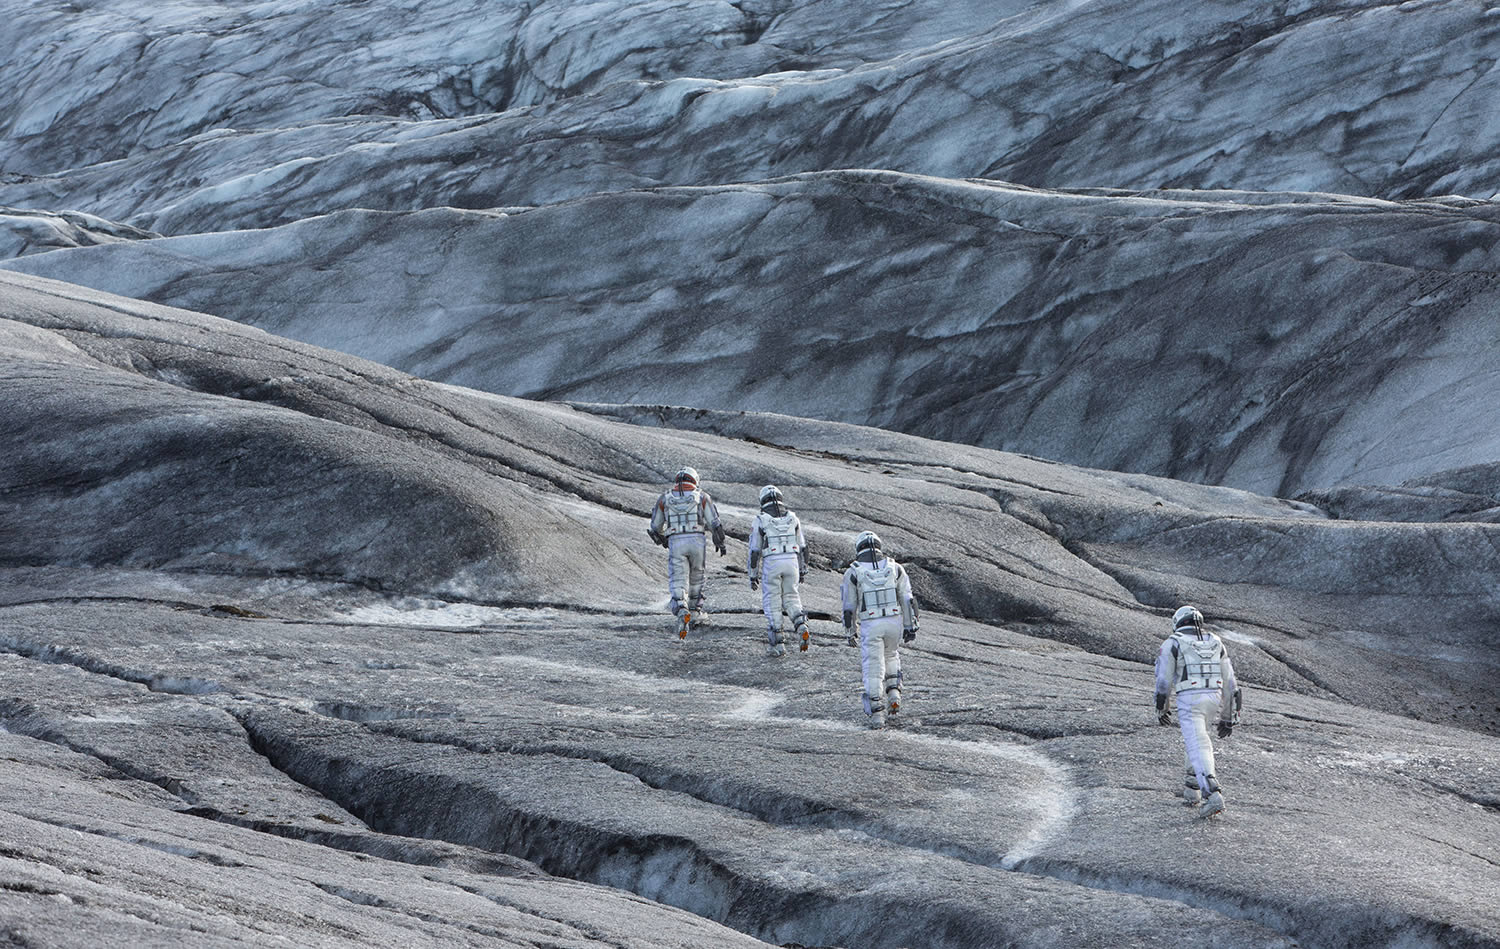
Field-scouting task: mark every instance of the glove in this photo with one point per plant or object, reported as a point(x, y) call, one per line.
point(656, 538)
point(1164, 718)
point(755, 583)
point(801, 576)
point(719, 540)
point(1163, 714)
point(1225, 728)
point(908, 634)
point(853, 639)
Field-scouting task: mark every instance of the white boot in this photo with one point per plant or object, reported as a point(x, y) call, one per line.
point(1214, 805)
point(893, 694)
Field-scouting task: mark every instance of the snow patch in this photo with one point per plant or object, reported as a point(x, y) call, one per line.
point(427, 613)
point(755, 707)
point(108, 719)
point(1238, 637)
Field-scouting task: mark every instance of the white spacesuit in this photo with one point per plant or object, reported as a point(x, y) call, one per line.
point(877, 596)
point(1195, 664)
point(678, 522)
point(778, 562)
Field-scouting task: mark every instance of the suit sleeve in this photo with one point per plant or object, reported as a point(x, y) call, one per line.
point(710, 511)
point(754, 555)
point(659, 517)
point(801, 545)
point(1166, 668)
point(903, 595)
point(1226, 691)
point(849, 592)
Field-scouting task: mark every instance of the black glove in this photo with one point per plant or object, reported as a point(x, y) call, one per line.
point(1164, 718)
point(853, 639)
point(719, 539)
point(1163, 714)
point(801, 576)
point(656, 538)
point(755, 583)
point(1225, 728)
point(908, 634)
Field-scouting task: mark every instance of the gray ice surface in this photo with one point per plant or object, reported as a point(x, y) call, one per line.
point(299, 647)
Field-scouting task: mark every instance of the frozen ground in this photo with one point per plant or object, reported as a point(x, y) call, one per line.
point(230, 670)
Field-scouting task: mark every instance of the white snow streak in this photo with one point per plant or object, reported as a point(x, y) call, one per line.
point(1052, 808)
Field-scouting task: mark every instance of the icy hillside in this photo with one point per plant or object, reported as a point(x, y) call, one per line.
point(1280, 343)
point(281, 105)
point(302, 648)
point(314, 633)
point(682, 222)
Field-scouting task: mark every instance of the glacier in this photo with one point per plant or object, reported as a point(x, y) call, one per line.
point(344, 347)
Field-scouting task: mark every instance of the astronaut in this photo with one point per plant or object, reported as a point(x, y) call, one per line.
point(1194, 663)
point(678, 522)
point(778, 562)
point(877, 596)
